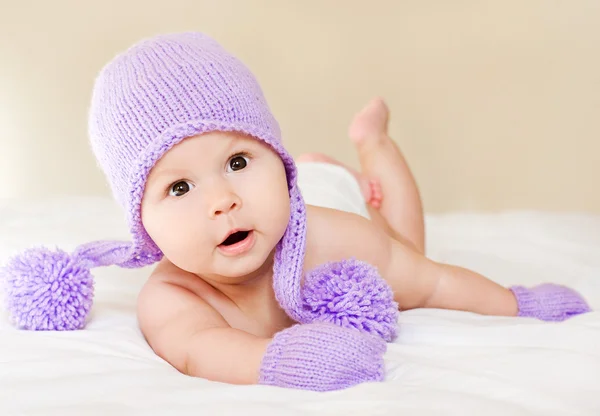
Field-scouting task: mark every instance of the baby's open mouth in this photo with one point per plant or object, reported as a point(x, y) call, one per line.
point(235, 238)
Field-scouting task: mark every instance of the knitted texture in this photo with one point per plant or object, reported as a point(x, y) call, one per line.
point(549, 302)
point(48, 290)
point(145, 101)
point(322, 357)
point(53, 290)
point(352, 294)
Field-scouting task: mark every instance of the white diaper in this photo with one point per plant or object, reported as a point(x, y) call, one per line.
point(330, 186)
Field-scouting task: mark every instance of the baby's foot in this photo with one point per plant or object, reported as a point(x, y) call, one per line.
point(370, 125)
point(368, 129)
point(370, 188)
point(381, 158)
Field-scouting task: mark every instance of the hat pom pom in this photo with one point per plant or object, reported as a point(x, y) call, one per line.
point(48, 290)
point(352, 294)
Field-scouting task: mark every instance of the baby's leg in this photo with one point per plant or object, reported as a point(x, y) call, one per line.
point(382, 160)
point(369, 187)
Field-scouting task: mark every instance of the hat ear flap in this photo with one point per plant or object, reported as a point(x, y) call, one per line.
point(53, 290)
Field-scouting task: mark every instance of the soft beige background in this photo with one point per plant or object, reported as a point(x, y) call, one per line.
point(495, 104)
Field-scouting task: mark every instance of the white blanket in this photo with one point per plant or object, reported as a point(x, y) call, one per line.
point(444, 362)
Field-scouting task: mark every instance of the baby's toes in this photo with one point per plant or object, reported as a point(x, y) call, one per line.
point(376, 193)
point(365, 186)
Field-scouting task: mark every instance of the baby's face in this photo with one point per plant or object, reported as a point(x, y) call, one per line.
point(208, 187)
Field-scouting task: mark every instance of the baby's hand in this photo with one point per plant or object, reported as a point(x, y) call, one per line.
point(549, 302)
point(322, 357)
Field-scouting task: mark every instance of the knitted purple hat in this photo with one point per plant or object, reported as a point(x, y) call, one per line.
point(145, 101)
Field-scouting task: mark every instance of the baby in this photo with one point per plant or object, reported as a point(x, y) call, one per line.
point(253, 283)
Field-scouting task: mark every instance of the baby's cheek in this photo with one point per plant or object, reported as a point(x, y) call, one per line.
point(281, 215)
point(154, 229)
point(193, 246)
point(178, 240)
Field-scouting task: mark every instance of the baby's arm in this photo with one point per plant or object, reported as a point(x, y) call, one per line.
point(418, 281)
point(415, 280)
point(458, 288)
point(186, 331)
point(194, 338)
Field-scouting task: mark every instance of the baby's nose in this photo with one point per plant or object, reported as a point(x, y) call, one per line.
point(223, 203)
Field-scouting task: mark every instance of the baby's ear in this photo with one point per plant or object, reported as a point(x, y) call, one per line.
point(351, 294)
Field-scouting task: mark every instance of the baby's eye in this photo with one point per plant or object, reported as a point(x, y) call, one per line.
point(180, 188)
point(237, 162)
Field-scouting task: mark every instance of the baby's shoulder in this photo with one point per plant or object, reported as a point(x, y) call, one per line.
point(197, 291)
point(167, 275)
point(167, 272)
point(334, 235)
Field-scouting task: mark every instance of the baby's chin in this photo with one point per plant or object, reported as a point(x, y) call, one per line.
point(242, 270)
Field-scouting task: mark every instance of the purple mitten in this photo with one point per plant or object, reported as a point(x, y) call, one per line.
point(322, 357)
point(549, 302)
